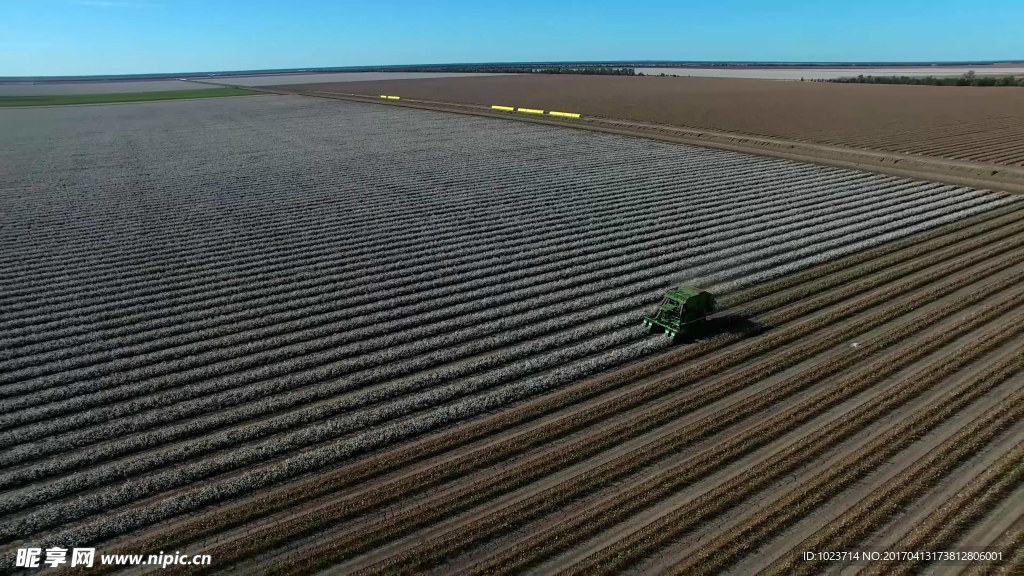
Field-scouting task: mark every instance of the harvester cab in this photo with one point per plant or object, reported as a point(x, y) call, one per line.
point(682, 310)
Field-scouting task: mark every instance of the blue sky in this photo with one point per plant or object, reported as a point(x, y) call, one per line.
point(70, 37)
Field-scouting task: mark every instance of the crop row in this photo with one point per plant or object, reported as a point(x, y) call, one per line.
point(117, 421)
point(624, 240)
point(779, 266)
point(327, 447)
point(982, 494)
point(311, 263)
point(373, 384)
point(990, 143)
point(570, 396)
point(416, 291)
point(311, 259)
point(325, 242)
point(963, 253)
point(327, 293)
point(611, 434)
point(994, 146)
point(994, 141)
point(1003, 149)
point(482, 273)
point(816, 492)
point(473, 234)
point(293, 430)
point(1011, 545)
point(633, 283)
point(810, 447)
point(921, 134)
point(870, 513)
point(985, 135)
point(418, 196)
point(304, 322)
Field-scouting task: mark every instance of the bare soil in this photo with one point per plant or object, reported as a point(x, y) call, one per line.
point(992, 163)
point(984, 124)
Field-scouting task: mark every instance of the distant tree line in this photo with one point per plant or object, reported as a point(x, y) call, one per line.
point(604, 70)
point(539, 68)
point(968, 79)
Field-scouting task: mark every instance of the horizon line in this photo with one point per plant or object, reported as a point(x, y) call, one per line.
point(633, 63)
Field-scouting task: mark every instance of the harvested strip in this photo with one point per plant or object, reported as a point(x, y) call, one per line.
point(771, 520)
point(969, 505)
point(900, 491)
point(1011, 545)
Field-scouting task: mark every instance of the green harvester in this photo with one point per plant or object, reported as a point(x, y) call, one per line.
point(682, 310)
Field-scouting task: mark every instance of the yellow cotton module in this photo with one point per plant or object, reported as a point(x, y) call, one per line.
point(393, 97)
point(564, 114)
point(530, 110)
point(505, 108)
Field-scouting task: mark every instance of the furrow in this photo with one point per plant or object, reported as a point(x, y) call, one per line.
point(783, 512)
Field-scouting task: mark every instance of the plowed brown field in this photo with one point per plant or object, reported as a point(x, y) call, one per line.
point(978, 124)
